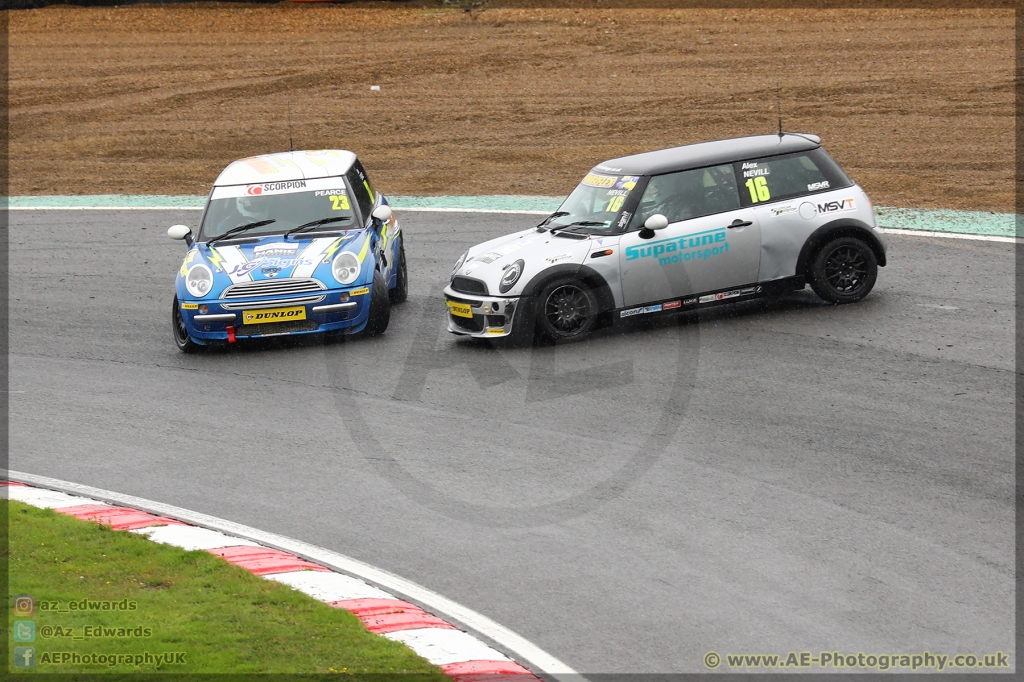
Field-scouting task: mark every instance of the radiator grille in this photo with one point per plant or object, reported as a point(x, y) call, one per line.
point(273, 287)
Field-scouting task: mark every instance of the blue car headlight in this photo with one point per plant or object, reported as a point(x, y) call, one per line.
point(199, 280)
point(345, 267)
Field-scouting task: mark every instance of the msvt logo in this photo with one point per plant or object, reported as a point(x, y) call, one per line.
point(836, 206)
point(700, 245)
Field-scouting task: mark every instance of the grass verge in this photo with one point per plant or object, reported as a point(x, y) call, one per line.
point(221, 617)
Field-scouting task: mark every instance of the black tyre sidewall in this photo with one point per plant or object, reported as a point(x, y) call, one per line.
point(380, 306)
point(820, 283)
point(401, 291)
point(544, 326)
point(186, 345)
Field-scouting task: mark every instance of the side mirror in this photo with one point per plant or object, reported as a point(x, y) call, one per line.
point(179, 232)
point(656, 222)
point(382, 213)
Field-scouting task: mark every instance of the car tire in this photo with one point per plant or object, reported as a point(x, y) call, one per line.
point(380, 306)
point(182, 340)
point(401, 291)
point(565, 310)
point(844, 270)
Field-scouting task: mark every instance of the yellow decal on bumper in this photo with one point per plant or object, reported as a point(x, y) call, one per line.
point(460, 309)
point(273, 315)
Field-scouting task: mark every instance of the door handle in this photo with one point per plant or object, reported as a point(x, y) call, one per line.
point(740, 223)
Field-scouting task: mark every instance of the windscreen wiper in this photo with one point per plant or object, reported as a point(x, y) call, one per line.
point(314, 223)
point(551, 217)
point(241, 228)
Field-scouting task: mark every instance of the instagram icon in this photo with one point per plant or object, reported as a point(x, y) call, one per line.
point(24, 605)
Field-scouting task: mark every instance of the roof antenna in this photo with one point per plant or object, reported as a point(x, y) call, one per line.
point(291, 145)
point(778, 106)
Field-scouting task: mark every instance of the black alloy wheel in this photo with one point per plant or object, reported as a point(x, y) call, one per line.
point(567, 311)
point(844, 271)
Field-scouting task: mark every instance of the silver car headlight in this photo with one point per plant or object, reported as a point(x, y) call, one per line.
point(199, 280)
point(345, 267)
point(459, 263)
point(511, 276)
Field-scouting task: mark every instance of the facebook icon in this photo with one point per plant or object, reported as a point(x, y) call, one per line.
point(24, 657)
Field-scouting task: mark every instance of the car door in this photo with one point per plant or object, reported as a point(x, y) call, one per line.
point(711, 242)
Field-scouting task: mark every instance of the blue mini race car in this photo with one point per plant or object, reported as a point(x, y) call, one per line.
point(289, 243)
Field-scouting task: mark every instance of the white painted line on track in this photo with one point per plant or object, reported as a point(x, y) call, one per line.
point(191, 538)
point(953, 235)
point(328, 587)
point(48, 499)
point(104, 208)
point(429, 209)
point(442, 647)
point(522, 649)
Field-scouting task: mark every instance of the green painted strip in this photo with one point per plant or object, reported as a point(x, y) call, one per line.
point(109, 201)
point(948, 220)
point(928, 220)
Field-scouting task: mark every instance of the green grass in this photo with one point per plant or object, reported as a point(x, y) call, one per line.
point(223, 618)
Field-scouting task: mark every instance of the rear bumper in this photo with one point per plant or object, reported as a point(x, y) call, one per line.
point(493, 316)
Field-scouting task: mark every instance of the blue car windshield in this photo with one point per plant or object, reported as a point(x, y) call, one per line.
point(230, 207)
point(595, 204)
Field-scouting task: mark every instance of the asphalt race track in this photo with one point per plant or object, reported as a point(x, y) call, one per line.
point(767, 478)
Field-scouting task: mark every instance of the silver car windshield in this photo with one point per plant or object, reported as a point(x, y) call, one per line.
point(287, 210)
point(595, 204)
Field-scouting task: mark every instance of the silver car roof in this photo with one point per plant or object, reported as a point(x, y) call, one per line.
point(709, 154)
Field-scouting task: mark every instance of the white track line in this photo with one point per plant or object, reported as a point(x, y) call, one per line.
point(524, 650)
point(887, 230)
point(954, 235)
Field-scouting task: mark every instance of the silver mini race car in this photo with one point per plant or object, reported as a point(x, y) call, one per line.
point(671, 230)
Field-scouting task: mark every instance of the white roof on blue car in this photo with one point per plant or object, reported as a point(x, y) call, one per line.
point(305, 165)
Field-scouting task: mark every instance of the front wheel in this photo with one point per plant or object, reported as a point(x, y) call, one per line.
point(182, 340)
point(380, 306)
point(844, 270)
point(566, 310)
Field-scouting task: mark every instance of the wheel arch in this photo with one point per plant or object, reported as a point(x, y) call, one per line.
point(587, 275)
point(843, 227)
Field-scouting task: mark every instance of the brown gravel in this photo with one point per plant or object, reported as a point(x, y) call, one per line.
point(916, 104)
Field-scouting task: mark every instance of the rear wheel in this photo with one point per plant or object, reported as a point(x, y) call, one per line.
point(566, 310)
point(844, 270)
point(380, 306)
point(182, 340)
point(401, 291)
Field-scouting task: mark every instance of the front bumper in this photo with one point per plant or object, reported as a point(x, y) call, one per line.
point(492, 315)
point(336, 310)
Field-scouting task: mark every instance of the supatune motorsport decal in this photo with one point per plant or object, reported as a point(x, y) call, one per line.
point(685, 248)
